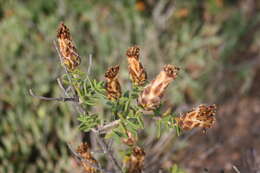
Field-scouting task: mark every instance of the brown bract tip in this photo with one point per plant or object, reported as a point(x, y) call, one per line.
point(63, 32)
point(87, 160)
point(112, 72)
point(135, 162)
point(133, 52)
point(171, 70)
point(82, 148)
point(137, 151)
point(130, 140)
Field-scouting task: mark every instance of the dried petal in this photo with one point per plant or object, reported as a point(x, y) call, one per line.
point(130, 140)
point(135, 68)
point(88, 160)
point(135, 162)
point(151, 96)
point(70, 57)
point(113, 87)
point(202, 116)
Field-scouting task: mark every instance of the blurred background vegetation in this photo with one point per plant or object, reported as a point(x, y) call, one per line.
point(215, 42)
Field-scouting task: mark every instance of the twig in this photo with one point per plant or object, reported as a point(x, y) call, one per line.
point(65, 91)
point(204, 155)
point(255, 62)
point(81, 159)
point(151, 165)
point(235, 169)
point(63, 99)
point(106, 150)
point(90, 64)
point(107, 127)
point(61, 86)
point(156, 151)
point(162, 12)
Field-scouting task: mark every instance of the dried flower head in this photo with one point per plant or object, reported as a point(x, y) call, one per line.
point(135, 68)
point(130, 140)
point(87, 159)
point(135, 162)
point(70, 57)
point(151, 96)
point(113, 87)
point(202, 116)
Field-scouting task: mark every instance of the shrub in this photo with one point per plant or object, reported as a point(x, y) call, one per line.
point(125, 110)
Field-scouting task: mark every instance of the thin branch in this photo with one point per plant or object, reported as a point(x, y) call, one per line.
point(162, 12)
point(235, 169)
point(81, 159)
point(153, 163)
point(255, 62)
point(204, 155)
point(108, 126)
point(65, 91)
point(61, 86)
point(89, 64)
point(63, 99)
point(106, 150)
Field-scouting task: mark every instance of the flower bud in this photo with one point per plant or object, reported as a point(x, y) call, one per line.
point(151, 96)
point(135, 68)
point(202, 116)
point(112, 86)
point(70, 57)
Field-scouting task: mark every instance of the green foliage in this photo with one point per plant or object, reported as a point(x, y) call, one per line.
point(167, 122)
point(87, 122)
point(176, 169)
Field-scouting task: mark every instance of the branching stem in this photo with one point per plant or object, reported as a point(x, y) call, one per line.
point(81, 159)
point(63, 99)
point(106, 150)
point(107, 127)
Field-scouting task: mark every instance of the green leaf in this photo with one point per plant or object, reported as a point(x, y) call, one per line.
point(140, 120)
point(178, 130)
point(176, 169)
point(133, 122)
point(127, 105)
point(87, 122)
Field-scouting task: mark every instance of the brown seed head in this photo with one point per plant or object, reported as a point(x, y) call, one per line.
point(135, 162)
point(88, 161)
point(152, 94)
point(82, 148)
point(63, 32)
point(112, 72)
point(133, 52)
point(70, 57)
point(135, 68)
point(171, 71)
point(202, 116)
point(113, 87)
